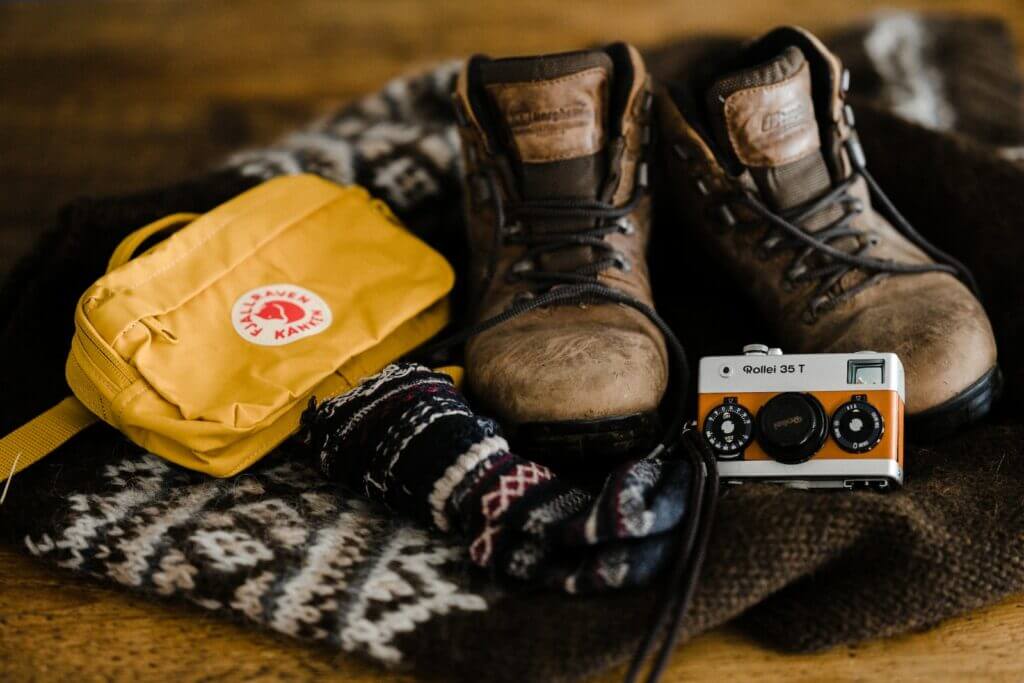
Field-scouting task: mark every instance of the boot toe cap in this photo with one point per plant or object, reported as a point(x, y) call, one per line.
point(941, 334)
point(565, 373)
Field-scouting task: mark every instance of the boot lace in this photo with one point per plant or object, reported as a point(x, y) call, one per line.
point(787, 233)
point(514, 217)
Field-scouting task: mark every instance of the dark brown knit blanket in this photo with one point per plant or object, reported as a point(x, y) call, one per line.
point(282, 547)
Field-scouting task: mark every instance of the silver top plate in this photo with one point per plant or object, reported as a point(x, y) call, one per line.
point(809, 372)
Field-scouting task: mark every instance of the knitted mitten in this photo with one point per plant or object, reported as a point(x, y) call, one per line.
point(406, 438)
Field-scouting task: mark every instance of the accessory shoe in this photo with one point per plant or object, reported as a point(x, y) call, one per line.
point(763, 158)
point(556, 202)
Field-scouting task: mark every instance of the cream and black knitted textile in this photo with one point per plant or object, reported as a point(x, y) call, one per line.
point(408, 439)
point(283, 547)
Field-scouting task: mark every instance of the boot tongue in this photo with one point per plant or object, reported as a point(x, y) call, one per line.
point(553, 115)
point(765, 116)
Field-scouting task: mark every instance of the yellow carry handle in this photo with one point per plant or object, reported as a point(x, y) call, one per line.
point(125, 251)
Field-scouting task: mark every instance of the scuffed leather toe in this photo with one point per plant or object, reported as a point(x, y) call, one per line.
point(936, 327)
point(532, 371)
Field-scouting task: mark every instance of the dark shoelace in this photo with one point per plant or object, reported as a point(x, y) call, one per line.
point(789, 235)
point(691, 546)
point(581, 286)
point(537, 245)
point(513, 215)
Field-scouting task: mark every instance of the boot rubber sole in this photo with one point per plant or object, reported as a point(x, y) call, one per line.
point(597, 445)
point(970, 405)
point(581, 445)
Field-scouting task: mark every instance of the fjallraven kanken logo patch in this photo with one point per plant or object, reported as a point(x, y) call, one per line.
point(275, 315)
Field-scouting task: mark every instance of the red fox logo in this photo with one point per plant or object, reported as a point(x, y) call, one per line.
point(281, 310)
point(278, 314)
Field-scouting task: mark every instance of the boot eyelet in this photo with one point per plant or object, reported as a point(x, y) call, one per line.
point(820, 304)
point(514, 229)
point(702, 187)
point(766, 248)
point(874, 239)
point(682, 152)
point(855, 152)
point(795, 273)
point(521, 267)
point(808, 317)
point(523, 297)
point(726, 216)
point(626, 227)
point(622, 263)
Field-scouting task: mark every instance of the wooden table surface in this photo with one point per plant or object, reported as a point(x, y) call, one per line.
point(106, 97)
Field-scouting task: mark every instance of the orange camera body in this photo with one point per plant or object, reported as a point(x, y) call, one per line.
point(827, 420)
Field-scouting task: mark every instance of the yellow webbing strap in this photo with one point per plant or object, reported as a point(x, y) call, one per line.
point(125, 251)
point(42, 435)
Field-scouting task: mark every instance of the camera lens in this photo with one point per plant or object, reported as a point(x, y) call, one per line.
point(791, 427)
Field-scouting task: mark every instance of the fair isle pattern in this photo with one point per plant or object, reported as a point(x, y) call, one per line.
point(407, 439)
point(477, 454)
point(400, 143)
point(391, 438)
point(494, 504)
point(278, 546)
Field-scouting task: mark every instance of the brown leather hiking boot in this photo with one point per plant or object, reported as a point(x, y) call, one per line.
point(762, 156)
point(556, 202)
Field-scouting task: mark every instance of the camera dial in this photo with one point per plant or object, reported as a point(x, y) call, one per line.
point(729, 428)
point(792, 427)
point(857, 426)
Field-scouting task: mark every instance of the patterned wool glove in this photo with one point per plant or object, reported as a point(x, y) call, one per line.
point(406, 438)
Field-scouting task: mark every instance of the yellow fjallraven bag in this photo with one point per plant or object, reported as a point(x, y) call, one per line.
point(206, 348)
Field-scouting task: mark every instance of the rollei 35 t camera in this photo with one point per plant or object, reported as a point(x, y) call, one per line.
point(827, 420)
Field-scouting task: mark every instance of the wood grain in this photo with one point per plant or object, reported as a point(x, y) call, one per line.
point(57, 627)
point(112, 96)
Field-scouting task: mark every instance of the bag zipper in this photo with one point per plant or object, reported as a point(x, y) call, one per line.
point(108, 364)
